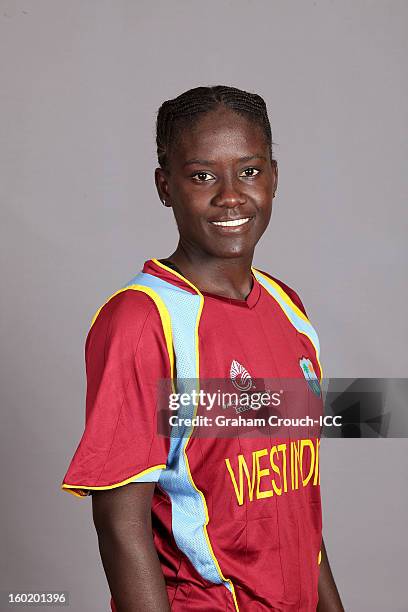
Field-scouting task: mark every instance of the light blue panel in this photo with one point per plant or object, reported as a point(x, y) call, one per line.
point(301, 325)
point(188, 512)
point(150, 477)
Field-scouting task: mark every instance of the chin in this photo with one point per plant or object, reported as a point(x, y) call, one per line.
point(233, 251)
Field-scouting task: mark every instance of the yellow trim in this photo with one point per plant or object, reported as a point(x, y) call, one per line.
point(180, 276)
point(319, 557)
point(74, 492)
point(284, 296)
point(197, 355)
point(207, 519)
point(68, 487)
point(297, 310)
point(163, 312)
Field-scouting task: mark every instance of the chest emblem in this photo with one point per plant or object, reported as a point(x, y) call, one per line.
point(309, 373)
point(240, 377)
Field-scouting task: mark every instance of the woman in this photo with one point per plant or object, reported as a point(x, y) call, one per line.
point(204, 522)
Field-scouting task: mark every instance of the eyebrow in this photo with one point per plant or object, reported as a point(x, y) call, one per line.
point(208, 162)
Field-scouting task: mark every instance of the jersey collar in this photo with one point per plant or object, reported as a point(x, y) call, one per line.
point(157, 268)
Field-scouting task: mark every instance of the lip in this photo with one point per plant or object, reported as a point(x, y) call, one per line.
point(234, 229)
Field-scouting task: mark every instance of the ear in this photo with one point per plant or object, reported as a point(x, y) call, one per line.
point(162, 185)
point(275, 172)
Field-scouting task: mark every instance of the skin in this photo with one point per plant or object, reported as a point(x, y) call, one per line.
point(238, 180)
point(235, 178)
point(329, 598)
point(122, 518)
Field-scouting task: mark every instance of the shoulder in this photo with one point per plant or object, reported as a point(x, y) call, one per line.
point(128, 332)
point(290, 292)
point(128, 311)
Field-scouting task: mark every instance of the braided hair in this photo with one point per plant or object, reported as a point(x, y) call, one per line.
point(187, 108)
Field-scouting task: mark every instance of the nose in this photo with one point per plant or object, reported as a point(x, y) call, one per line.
point(229, 194)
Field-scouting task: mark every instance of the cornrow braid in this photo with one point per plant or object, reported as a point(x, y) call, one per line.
point(187, 108)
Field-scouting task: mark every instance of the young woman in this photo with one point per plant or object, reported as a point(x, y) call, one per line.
point(209, 523)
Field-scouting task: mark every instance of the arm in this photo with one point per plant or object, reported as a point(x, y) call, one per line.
point(329, 598)
point(122, 518)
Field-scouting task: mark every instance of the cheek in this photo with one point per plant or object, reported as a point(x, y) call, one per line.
point(264, 214)
point(187, 214)
point(190, 203)
point(261, 192)
point(264, 203)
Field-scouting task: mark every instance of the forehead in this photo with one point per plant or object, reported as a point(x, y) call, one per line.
point(219, 133)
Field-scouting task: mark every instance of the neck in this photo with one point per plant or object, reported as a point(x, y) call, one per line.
point(228, 277)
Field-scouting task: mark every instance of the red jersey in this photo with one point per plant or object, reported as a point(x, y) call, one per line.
point(236, 518)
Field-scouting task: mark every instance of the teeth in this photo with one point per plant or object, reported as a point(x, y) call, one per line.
point(231, 223)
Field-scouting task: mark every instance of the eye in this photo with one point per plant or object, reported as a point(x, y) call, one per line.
point(249, 172)
point(202, 177)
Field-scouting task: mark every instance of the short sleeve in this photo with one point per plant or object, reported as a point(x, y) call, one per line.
point(125, 355)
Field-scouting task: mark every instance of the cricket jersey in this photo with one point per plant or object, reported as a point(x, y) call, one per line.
point(236, 513)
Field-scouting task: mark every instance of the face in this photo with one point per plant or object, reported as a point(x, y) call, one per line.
point(220, 183)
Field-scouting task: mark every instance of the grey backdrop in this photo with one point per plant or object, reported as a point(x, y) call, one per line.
point(80, 84)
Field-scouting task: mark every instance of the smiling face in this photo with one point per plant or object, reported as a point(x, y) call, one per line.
point(220, 183)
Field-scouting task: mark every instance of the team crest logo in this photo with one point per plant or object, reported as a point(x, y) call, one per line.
point(240, 377)
point(310, 375)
